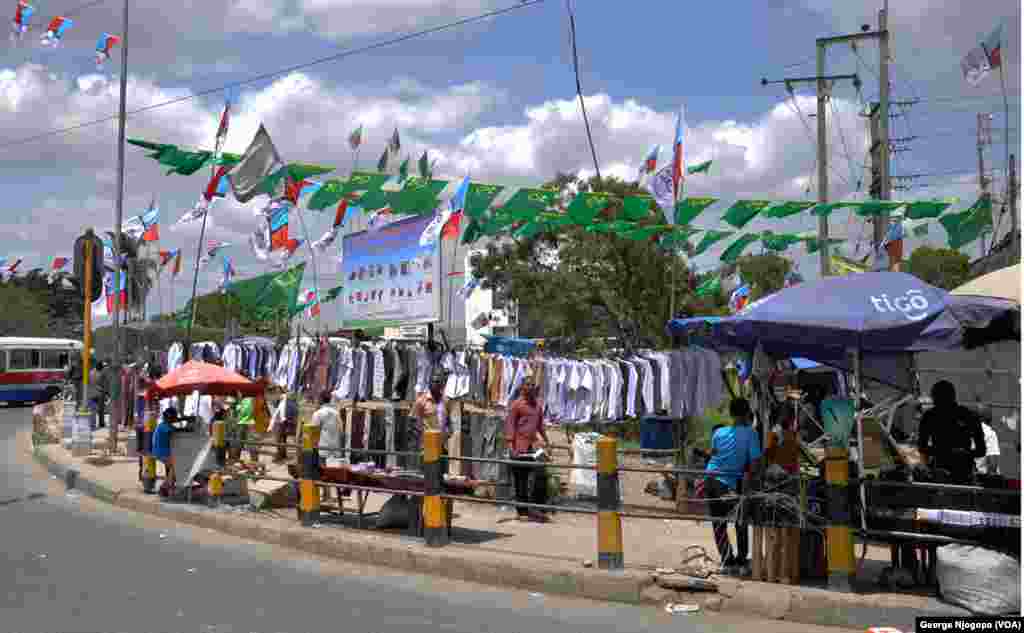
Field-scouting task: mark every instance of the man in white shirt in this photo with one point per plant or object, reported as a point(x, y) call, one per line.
point(989, 464)
point(329, 422)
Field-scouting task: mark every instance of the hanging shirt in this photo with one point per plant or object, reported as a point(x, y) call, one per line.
point(379, 374)
point(631, 390)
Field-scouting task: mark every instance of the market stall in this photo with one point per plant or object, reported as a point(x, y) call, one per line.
point(191, 444)
point(870, 325)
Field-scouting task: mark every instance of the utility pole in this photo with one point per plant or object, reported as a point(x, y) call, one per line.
point(1012, 185)
point(881, 224)
point(117, 413)
point(982, 179)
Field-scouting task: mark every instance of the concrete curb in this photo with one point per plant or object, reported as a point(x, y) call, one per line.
point(762, 600)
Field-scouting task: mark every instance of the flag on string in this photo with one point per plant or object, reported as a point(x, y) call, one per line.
point(259, 241)
point(677, 158)
point(382, 164)
point(228, 276)
point(326, 239)
point(424, 166)
point(308, 301)
point(58, 263)
point(395, 144)
point(166, 256)
point(103, 46)
point(355, 139)
point(279, 225)
point(259, 161)
point(452, 227)
point(983, 58)
point(196, 213)
point(218, 185)
point(650, 163)
point(699, 168)
point(13, 268)
point(151, 223)
point(341, 213)
point(212, 248)
point(56, 30)
point(121, 296)
point(379, 218)
point(225, 122)
point(661, 189)
point(333, 294)
point(177, 263)
point(22, 14)
point(739, 298)
point(442, 215)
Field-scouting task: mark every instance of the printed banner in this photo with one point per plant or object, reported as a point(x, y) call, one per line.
point(389, 278)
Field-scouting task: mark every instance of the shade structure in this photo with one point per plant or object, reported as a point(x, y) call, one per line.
point(1004, 283)
point(208, 379)
point(884, 316)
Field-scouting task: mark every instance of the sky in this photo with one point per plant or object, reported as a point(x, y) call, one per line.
point(495, 100)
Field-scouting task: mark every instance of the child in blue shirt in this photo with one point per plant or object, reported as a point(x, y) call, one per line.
point(734, 450)
point(161, 449)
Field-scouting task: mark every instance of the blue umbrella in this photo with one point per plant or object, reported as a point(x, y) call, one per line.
point(882, 315)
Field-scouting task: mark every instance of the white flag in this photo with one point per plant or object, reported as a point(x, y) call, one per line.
point(433, 231)
point(196, 213)
point(326, 240)
point(660, 187)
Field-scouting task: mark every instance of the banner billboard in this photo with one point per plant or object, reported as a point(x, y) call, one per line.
point(389, 278)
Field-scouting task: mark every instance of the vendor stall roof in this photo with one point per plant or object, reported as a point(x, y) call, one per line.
point(208, 379)
point(1004, 283)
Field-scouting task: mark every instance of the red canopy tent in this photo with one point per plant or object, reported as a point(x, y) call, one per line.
point(207, 379)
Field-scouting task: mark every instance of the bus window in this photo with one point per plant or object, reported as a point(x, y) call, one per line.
point(54, 359)
point(22, 359)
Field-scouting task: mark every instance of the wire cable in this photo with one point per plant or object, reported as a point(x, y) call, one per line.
point(284, 71)
point(579, 89)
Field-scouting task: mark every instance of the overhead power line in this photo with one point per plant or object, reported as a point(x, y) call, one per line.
point(284, 71)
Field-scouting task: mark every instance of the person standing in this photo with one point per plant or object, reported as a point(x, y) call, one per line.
point(328, 420)
point(431, 413)
point(284, 424)
point(524, 425)
point(246, 420)
point(95, 395)
point(989, 465)
point(950, 435)
point(735, 455)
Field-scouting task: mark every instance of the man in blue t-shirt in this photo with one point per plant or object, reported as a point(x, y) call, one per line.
point(735, 453)
point(161, 449)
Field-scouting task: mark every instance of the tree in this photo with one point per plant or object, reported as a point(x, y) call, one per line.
point(765, 273)
point(575, 284)
point(23, 314)
point(941, 267)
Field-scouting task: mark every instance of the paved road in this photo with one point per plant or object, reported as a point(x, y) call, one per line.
point(74, 564)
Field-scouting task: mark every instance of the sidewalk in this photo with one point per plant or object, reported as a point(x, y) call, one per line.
point(490, 547)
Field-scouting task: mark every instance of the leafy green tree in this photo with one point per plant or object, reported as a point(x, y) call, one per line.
point(23, 314)
point(766, 273)
point(574, 284)
point(941, 267)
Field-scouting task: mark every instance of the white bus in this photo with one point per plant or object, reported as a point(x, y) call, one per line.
point(34, 369)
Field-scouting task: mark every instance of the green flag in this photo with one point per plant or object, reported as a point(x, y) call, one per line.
point(731, 254)
point(333, 294)
point(328, 195)
point(712, 286)
point(300, 171)
point(527, 203)
point(928, 208)
point(700, 168)
point(636, 207)
point(382, 164)
point(585, 206)
point(270, 295)
point(826, 208)
point(874, 208)
point(779, 242)
point(709, 240)
point(473, 232)
point(786, 209)
point(743, 211)
point(688, 209)
point(967, 226)
point(479, 198)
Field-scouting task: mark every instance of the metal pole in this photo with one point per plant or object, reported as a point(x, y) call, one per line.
point(882, 220)
point(119, 220)
point(822, 160)
point(1009, 166)
point(87, 324)
point(982, 180)
point(1012, 179)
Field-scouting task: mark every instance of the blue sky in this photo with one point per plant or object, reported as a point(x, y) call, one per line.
point(495, 100)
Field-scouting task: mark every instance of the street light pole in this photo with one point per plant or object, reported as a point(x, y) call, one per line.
point(116, 411)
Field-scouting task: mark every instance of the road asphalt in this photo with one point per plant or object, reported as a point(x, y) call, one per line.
point(75, 564)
